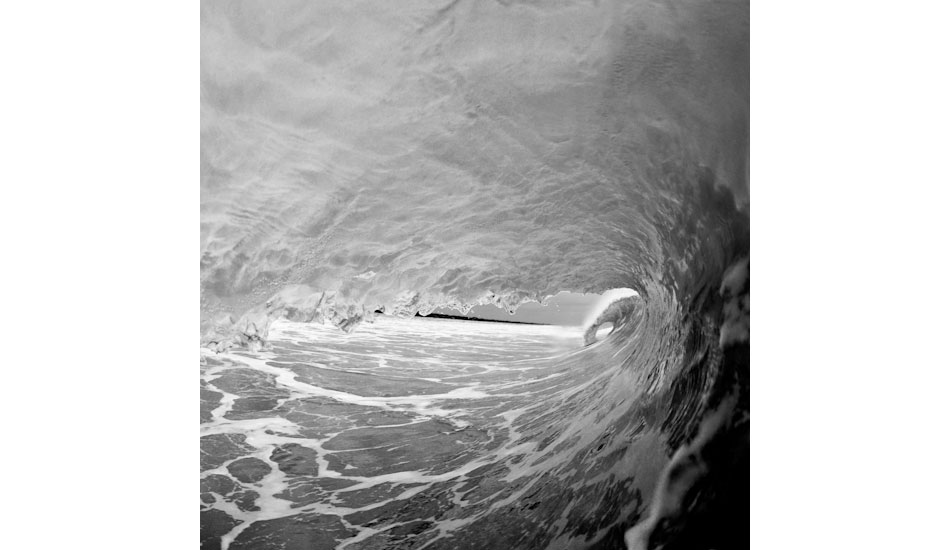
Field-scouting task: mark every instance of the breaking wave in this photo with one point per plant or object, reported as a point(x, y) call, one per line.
point(613, 309)
point(410, 156)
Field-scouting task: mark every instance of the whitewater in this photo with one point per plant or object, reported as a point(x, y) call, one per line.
point(365, 162)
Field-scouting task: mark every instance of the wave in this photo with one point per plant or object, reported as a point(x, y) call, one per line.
point(614, 308)
point(412, 158)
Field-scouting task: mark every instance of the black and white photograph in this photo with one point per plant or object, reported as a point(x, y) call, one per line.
point(474, 275)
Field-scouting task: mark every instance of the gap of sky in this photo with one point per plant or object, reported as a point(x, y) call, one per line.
point(565, 308)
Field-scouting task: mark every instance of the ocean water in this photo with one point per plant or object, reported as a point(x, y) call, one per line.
point(364, 162)
point(426, 427)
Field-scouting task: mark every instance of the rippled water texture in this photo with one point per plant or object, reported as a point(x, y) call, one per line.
point(411, 154)
point(360, 158)
point(462, 434)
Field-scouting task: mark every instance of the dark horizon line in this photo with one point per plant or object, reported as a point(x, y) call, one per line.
point(463, 318)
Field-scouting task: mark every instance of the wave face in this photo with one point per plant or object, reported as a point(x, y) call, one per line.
point(404, 156)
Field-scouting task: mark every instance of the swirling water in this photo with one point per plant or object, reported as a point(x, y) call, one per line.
point(397, 157)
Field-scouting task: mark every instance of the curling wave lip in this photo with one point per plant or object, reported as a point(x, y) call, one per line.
point(402, 157)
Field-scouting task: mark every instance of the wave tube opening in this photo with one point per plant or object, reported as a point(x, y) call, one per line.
point(362, 165)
